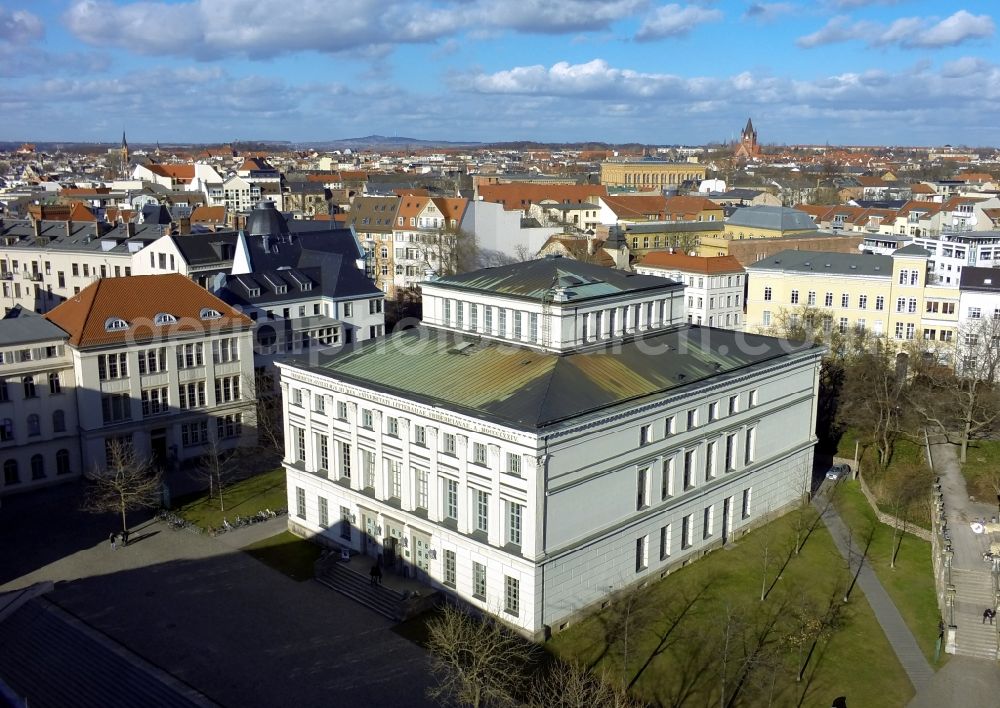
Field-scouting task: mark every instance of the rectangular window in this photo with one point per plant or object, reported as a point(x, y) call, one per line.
point(420, 481)
point(734, 404)
point(154, 401)
point(731, 452)
point(688, 469)
point(345, 460)
point(116, 407)
point(795, 297)
point(190, 355)
point(479, 453)
point(323, 452)
point(345, 523)
point(746, 503)
point(517, 325)
point(879, 302)
point(300, 443)
point(641, 554)
point(420, 435)
point(449, 444)
point(112, 366)
point(642, 488)
point(225, 350)
point(487, 319)
point(665, 542)
point(227, 388)
point(668, 428)
point(368, 468)
point(478, 580)
point(451, 499)
point(828, 300)
point(687, 527)
point(511, 595)
point(753, 398)
point(392, 426)
point(193, 434)
point(533, 327)
point(708, 522)
point(473, 317)
point(811, 298)
point(713, 411)
point(367, 419)
point(667, 479)
point(482, 510)
point(319, 403)
point(459, 314)
point(300, 502)
point(450, 570)
point(862, 302)
point(324, 513)
point(502, 322)
point(645, 434)
point(229, 426)
point(692, 419)
point(393, 468)
point(710, 460)
point(152, 361)
point(514, 514)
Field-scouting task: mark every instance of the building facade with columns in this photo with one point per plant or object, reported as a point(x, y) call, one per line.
point(553, 432)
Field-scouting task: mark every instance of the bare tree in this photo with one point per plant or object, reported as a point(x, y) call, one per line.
point(567, 685)
point(129, 482)
point(477, 661)
point(217, 466)
point(873, 399)
point(966, 401)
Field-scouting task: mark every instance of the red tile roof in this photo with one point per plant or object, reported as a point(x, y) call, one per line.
point(518, 195)
point(137, 300)
point(208, 215)
point(173, 171)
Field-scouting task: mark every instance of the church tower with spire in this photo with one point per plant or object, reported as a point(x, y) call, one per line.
point(748, 146)
point(123, 158)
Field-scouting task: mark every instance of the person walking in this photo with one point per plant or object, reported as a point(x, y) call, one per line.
point(125, 537)
point(114, 541)
point(988, 615)
point(375, 571)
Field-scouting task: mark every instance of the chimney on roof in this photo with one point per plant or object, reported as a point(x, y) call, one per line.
point(37, 226)
point(130, 229)
point(185, 225)
point(69, 228)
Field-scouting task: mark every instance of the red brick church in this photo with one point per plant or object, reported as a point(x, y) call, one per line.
point(748, 146)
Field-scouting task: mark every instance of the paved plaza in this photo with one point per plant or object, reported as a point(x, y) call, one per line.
point(236, 630)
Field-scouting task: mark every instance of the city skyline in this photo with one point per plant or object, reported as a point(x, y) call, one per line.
point(843, 71)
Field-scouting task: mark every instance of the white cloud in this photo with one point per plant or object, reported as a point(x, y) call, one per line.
point(905, 32)
point(675, 20)
point(20, 26)
point(765, 12)
point(209, 29)
point(965, 67)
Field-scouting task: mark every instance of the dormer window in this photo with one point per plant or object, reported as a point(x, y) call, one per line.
point(164, 318)
point(207, 313)
point(115, 324)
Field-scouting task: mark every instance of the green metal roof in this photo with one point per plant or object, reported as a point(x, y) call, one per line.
point(530, 389)
point(535, 280)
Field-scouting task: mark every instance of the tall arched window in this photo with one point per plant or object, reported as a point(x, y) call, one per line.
point(37, 467)
point(34, 425)
point(10, 474)
point(62, 462)
point(29, 387)
point(59, 422)
point(6, 430)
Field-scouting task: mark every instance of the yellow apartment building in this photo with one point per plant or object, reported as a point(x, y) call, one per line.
point(883, 294)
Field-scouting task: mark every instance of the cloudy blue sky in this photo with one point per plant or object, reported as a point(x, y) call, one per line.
point(838, 71)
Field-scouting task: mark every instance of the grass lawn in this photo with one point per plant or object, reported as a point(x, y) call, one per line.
point(982, 457)
point(855, 660)
point(287, 553)
point(243, 498)
point(911, 583)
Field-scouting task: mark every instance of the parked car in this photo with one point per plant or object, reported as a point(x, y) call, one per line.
point(838, 472)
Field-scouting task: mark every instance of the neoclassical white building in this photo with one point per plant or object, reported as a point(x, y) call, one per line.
point(553, 432)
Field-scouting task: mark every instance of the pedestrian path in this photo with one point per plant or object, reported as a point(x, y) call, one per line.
point(896, 631)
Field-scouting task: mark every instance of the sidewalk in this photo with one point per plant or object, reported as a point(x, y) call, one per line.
point(896, 631)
